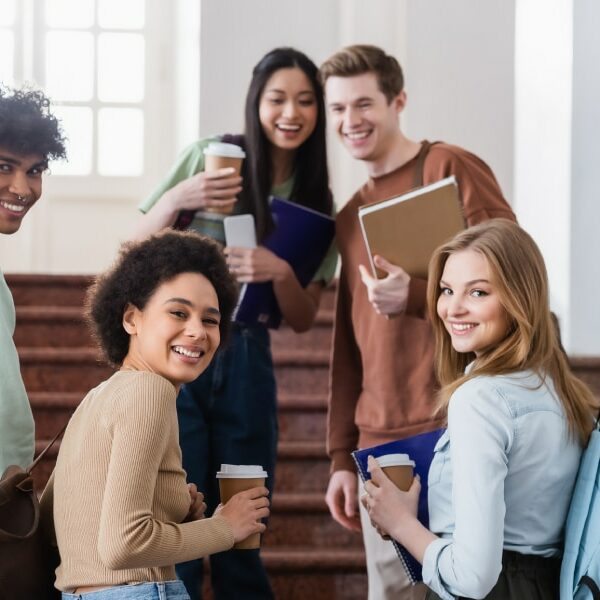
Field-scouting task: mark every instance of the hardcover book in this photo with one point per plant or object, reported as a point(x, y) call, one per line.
point(406, 229)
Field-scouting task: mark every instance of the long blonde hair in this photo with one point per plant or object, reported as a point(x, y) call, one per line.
point(533, 340)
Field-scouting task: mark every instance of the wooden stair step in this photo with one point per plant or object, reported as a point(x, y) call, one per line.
point(315, 573)
point(54, 326)
point(53, 290)
point(314, 560)
point(303, 519)
point(291, 402)
point(318, 336)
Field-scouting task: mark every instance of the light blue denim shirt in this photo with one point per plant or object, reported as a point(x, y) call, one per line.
point(501, 478)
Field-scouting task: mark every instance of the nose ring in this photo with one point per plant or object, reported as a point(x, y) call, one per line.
point(20, 198)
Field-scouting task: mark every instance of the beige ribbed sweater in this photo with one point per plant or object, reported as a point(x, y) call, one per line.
point(119, 491)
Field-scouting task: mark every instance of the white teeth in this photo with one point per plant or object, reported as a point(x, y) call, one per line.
point(359, 135)
point(288, 127)
point(186, 352)
point(462, 326)
point(13, 207)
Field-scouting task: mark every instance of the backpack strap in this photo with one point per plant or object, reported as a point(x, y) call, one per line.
point(420, 166)
point(592, 585)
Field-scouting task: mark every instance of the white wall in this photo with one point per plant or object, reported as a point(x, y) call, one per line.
point(584, 290)
point(440, 45)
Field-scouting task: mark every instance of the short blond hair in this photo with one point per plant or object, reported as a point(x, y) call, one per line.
point(362, 58)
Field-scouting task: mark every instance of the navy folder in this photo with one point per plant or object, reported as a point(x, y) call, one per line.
point(420, 449)
point(301, 237)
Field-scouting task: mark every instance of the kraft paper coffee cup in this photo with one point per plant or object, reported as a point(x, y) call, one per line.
point(400, 469)
point(238, 478)
point(219, 155)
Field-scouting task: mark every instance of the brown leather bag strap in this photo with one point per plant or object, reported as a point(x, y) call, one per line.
point(420, 166)
point(43, 452)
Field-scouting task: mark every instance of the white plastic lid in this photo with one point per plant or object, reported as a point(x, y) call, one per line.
point(395, 460)
point(241, 472)
point(223, 149)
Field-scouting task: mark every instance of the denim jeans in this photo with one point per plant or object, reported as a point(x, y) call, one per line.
point(229, 415)
point(155, 590)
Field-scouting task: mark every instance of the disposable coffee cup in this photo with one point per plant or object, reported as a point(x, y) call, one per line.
point(219, 155)
point(238, 478)
point(400, 469)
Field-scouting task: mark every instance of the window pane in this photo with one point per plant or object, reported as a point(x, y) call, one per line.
point(120, 67)
point(77, 125)
point(69, 14)
point(7, 14)
point(120, 141)
point(117, 14)
point(70, 65)
point(7, 57)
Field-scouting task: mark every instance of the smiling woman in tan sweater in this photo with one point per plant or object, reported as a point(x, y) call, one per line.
point(123, 513)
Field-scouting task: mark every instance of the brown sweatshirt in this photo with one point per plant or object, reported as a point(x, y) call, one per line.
point(119, 492)
point(382, 380)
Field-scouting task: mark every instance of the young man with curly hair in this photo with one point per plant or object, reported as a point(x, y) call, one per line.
point(382, 381)
point(29, 137)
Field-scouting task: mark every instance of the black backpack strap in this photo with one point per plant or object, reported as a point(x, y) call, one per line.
point(590, 583)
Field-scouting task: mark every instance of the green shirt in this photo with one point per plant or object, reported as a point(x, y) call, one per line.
point(190, 162)
point(16, 421)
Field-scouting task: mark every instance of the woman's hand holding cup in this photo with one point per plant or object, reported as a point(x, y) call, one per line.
point(216, 191)
point(244, 512)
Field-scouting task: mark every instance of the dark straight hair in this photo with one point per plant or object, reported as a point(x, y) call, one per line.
point(311, 181)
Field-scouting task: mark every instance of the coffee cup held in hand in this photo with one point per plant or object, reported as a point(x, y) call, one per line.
point(239, 478)
point(399, 468)
point(219, 155)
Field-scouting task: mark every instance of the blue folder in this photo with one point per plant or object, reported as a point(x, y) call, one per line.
point(420, 449)
point(301, 237)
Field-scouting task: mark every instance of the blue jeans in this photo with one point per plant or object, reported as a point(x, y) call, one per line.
point(155, 590)
point(229, 415)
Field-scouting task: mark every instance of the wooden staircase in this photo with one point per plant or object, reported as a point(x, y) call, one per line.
point(307, 554)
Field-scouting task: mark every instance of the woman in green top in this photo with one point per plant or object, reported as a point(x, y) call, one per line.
point(229, 414)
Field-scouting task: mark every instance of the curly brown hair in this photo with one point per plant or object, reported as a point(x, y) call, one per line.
point(139, 270)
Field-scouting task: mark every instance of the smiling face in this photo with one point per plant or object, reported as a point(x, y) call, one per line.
point(365, 121)
point(469, 305)
point(177, 333)
point(20, 187)
point(287, 109)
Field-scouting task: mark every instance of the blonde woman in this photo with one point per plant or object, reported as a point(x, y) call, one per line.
point(503, 472)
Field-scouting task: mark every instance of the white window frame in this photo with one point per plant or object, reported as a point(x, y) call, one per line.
point(157, 105)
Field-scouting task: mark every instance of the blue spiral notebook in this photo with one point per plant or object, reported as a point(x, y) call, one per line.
point(301, 237)
point(420, 449)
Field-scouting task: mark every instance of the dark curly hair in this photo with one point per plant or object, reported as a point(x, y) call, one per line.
point(139, 270)
point(27, 126)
